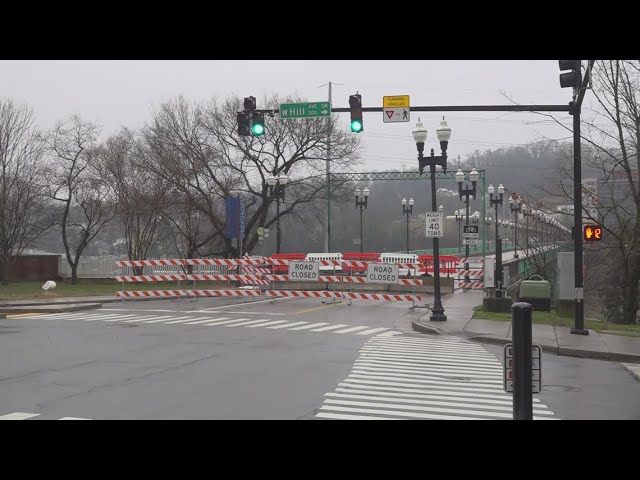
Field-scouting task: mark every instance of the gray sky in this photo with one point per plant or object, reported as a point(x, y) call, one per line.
point(124, 92)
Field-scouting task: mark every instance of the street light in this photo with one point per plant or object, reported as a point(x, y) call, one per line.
point(495, 202)
point(361, 203)
point(420, 136)
point(276, 188)
point(458, 215)
point(466, 193)
point(407, 211)
point(516, 207)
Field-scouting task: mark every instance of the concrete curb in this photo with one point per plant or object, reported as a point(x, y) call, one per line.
point(419, 327)
point(49, 309)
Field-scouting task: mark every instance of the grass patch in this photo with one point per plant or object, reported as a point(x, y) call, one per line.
point(90, 288)
point(550, 318)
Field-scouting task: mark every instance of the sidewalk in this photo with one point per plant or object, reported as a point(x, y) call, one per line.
point(559, 340)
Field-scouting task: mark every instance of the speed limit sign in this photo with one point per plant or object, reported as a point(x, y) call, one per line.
point(434, 224)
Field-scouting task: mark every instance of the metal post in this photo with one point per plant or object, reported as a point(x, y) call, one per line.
point(522, 346)
point(459, 222)
point(498, 273)
point(360, 228)
point(466, 247)
point(407, 214)
point(327, 230)
point(577, 224)
point(277, 222)
point(438, 311)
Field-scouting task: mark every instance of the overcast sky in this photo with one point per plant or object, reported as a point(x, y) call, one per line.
point(123, 93)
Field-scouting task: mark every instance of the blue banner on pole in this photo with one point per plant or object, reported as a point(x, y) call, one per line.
point(232, 224)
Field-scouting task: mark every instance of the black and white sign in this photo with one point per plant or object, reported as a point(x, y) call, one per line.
point(471, 229)
point(434, 224)
point(470, 241)
point(536, 368)
point(382, 273)
point(304, 271)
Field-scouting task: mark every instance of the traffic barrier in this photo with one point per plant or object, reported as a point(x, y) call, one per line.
point(150, 263)
point(304, 293)
point(384, 296)
point(471, 285)
point(327, 261)
point(362, 258)
point(223, 261)
point(223, 293)
point(237, 278)
point(150, 278)
point(150, 293)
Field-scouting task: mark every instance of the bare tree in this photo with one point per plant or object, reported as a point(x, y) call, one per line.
point(23, 213)
point(198, 150)
point(75, 182)
point(141, 196)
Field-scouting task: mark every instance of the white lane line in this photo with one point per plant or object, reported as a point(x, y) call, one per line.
point(18, 416)
point(188, 319)
point(198, 320)
point(73, 418)
point(96, 318)
point(430, 348)
point(311, 325)
point(145, 318)
point(416, 408)
point(386, 390)
point(55, 316)
point(409, 342)
point(389, 334)
point(214, 324)
point(160, 319)
point(372, 330)
point(288, 325)
point(213, 309)
point(270, 322)
point(432, 383)
point(469, 404)
point(183, 311)
point(344, 416)
point(330, 327)
point(449, 359)
point(249, 322)
point(434, 366)
point(396, 412)
point(119, 318)
point(431, 372)
point(349, 330)
point(433, 353)
point(81, 317)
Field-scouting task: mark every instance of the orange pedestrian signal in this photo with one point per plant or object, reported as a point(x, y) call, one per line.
point(592, 233)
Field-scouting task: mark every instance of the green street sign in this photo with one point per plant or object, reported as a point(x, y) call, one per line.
point(305, 110)
point(260, 231)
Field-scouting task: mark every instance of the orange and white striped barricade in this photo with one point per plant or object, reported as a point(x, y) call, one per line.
point(171, 277)
point(471, 273)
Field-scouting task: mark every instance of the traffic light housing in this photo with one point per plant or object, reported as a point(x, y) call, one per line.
point(244, 128)
point(257, 124)
point(249, 103)
point(592, 233)
point(572, 78)
point(355, 104)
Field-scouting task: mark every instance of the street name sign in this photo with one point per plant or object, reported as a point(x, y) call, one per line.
point(536, 368)
point(470, 241)
point(305, 271)
point(395, 108)
point(434, 224)
point(305, 110)
point(382, 273)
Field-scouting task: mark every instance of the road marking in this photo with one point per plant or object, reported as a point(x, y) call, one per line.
point(18, 416)
point(189, 319)
point(372, 330)
point(243, 323)
point(270, 322)
point(288, 325)
point(344, 416)
point(159, 319)
point(305, 327)
point(330, 327)
point(185, 311)
point(73, 418)
point(349, 330)
point(198, 320)
point(213, 309)
point(18, 315)
point(213, 324)
point(430, 380)
point(313, 309)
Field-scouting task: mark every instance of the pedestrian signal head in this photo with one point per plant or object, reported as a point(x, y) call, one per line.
point(592, 233)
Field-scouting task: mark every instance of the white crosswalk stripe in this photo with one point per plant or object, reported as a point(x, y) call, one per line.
point(443, 378)
point(269, 323)
point(26, 416)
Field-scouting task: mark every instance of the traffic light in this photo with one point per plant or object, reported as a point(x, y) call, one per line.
point(573, 78)
point(592, 233)
point(257, 124)
point(249, 103)
point(244, 128)
point(355, 103)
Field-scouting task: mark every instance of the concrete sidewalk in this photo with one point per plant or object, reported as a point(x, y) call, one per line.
point(559, 340)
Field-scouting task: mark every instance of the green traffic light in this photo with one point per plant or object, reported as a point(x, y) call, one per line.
point(257, 129)
point(356, 126)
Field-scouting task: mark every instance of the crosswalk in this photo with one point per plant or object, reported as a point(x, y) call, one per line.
point(440, 378)
point(28, 416)
point(227, 321)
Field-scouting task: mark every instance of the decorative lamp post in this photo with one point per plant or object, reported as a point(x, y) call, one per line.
point(276, 188)
point(495, 202)
point(407, 211)
point(361, 202)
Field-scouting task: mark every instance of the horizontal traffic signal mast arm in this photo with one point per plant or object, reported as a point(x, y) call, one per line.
point(458, 108)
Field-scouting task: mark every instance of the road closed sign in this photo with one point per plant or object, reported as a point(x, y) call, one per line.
point(382, 273)
point(305, 271)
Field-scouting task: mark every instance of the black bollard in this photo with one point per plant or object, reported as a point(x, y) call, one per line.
point(522, 346)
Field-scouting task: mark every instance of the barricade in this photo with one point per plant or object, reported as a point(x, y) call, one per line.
point(470, 271)
point(328, 261)
point(361, 257)
point(283, 267)
point(401, 258)
point(448, 264)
